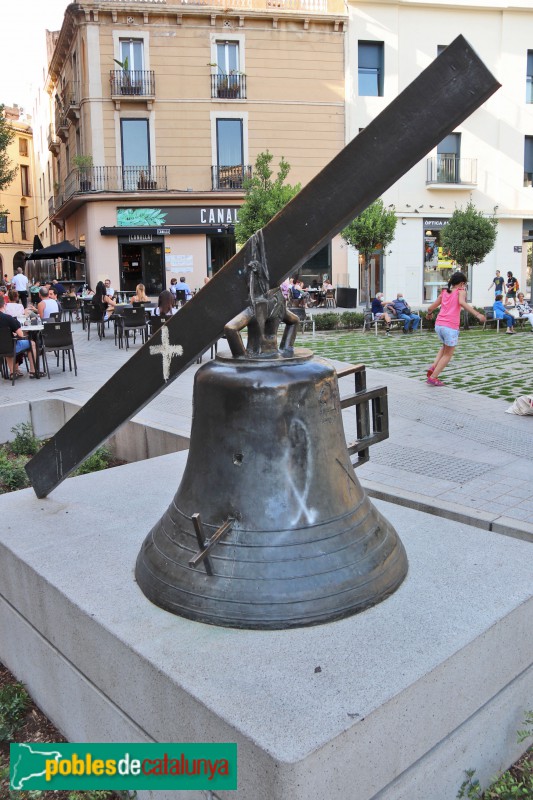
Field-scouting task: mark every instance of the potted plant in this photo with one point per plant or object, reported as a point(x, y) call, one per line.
point(84, 165)
point(228, 84)
point(127, 85)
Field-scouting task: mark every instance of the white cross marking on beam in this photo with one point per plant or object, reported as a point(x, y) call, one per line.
point(167, 350)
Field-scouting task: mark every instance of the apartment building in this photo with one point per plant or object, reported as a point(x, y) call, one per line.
point(154, 112)
point(488, 159)
point(17, 217)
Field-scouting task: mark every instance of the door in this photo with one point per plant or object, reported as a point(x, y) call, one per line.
point(448, 159)
point(219, 250)
point(142, 263)
point(135, 153)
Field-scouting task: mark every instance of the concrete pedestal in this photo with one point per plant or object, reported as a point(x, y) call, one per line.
point(391, 704)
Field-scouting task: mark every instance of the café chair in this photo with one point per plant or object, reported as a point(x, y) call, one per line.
point(130, 321)
point(8, 347)
point(95, 316)
point(57, 338)
point(69, 305)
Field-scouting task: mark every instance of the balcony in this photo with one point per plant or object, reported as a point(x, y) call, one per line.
point(230, 178)
point(228, 87)
point(62, 124)
point(71, 100)
point(451, 170)
point(336, 7)
point(53, 142)
point(115, 179)
point(132, 84)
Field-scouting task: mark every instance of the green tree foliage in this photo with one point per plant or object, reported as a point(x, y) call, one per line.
point(374, 227)
point(469, 236)
point(7, 171)
point(264, 196)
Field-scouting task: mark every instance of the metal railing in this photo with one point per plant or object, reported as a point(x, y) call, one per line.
point(451, 169)
point(231, 178)
point(53, 142)
point(132, 82)
point(116, 179)
point(230, 87)
point(305, 6)
point(71, 95)
point(528, 178)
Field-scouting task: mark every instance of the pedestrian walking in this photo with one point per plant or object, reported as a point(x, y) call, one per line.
point(451, 300)
point(497, 282)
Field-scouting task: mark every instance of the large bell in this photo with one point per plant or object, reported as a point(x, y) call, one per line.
point(297, 540)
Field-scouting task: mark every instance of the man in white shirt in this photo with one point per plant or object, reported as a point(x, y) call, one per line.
point(110, 292)
point(20, 283)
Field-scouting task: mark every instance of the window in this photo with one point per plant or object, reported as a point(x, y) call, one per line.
point(449, 159)
point(230, 168)
point(528, 161)
point(3, 223)
point(370, 62)
point(131, 54)
point(228, 57)
point(23, 146)
point(135, 152)
point(23, 222)
point(529, 77)
point(25, 180)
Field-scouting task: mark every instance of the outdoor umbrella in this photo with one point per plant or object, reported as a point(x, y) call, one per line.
point(59, 250)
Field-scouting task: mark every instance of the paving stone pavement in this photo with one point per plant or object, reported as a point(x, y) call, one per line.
point(448, 448)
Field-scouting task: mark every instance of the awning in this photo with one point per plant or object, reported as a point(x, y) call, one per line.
point(59, 250)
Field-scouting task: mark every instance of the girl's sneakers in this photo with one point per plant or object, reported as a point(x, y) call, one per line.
point(429, 373)
point(434, 382)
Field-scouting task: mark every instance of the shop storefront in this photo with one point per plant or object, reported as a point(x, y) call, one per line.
point(438, 266)
point(156, 244)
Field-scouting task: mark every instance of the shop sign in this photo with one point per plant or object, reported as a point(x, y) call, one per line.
point(140, 237)
point(433, 224)
point(152, 217)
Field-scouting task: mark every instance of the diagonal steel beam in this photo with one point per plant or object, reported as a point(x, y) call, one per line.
point(435, 103)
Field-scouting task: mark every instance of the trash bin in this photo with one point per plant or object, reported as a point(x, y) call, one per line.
point(346, 298)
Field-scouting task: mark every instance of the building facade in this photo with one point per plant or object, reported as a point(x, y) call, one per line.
point(18, 220)
point(153, 116)
point(488, 159)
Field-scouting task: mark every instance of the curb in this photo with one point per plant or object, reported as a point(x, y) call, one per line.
point(515, 528)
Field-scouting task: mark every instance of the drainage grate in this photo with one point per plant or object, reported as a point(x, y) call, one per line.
point(433, 465)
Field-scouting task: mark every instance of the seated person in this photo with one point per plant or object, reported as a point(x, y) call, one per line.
point(524, 309)
point(379, 312)
point(500, 312)
point(185, 288)
point(14, 307)
point(7, 321)
point(110, 292)
point(58, 287)
point(47, 305)
point(140, 295)
point(403, 311)
point(296, 293)
point(173, 287)
point(286, 288)
point(102, 301)
point(165, 305)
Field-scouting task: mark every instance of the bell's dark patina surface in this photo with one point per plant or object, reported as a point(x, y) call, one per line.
point(269, 528)
point(268, 453)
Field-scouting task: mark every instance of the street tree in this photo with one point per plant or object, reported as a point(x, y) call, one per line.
point(469, 236)
point(7, 169)
point(372, 229)
point(264, 196)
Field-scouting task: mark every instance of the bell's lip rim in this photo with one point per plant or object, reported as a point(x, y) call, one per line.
point(300, 355)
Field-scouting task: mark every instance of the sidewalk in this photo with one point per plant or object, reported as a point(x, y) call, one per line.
point(450, 452)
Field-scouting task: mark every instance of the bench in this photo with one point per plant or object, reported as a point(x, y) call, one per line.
point(491, 319)
point(395, 323)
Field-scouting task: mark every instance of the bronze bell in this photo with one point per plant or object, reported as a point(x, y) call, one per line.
point(268, 455)
point(270, 527)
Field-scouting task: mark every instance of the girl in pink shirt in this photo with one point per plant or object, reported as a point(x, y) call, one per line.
point(451, 301)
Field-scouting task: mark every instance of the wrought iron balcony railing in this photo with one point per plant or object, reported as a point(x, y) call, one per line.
point(230, 87)
point(305, 6)
point(132, 82)
point(53, 142)
point(528, 178)
point(451, 169)
point(115, 179)
point(231, 178)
